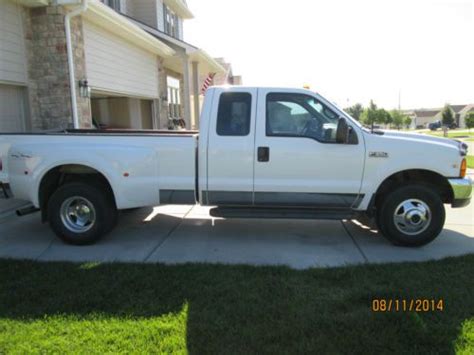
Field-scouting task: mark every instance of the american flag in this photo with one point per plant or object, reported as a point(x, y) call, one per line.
point(207, 83)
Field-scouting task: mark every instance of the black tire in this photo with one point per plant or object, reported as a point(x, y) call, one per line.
point(389, 206)
point(101, 202)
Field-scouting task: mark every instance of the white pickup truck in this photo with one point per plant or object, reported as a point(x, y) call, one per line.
point(260, 153)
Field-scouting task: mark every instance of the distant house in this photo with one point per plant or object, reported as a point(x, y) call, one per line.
point(132, 67)
point(460, 113)
point(424, 117)
point(227, 77)
point(421, 118)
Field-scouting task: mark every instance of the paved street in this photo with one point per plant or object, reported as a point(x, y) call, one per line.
point(180, 234)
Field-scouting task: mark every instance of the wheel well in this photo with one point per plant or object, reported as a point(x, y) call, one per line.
point(63, 174)
point(418, 176)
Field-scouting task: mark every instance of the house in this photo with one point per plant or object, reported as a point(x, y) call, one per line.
point(421, 118)
point(460, 113)
point(131, 67)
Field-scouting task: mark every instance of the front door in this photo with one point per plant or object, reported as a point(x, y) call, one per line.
point(297, 159)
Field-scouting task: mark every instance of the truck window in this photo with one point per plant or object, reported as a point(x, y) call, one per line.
point(299, 115)
point(233, 116)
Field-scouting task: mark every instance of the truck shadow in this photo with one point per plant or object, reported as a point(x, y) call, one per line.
point(239, 309)
point(164, 236)
point(296, 243)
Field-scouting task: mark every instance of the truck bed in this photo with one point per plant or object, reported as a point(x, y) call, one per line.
point(143, 166)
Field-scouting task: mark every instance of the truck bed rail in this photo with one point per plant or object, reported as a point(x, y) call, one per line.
point(106, 132)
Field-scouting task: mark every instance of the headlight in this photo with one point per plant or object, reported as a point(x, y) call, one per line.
point(462, 148)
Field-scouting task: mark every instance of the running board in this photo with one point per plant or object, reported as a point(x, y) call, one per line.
point(281, 212)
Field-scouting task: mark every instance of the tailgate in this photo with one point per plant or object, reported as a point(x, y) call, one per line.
point(5, 144)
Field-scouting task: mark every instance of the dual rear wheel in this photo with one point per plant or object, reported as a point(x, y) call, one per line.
point(80, 213)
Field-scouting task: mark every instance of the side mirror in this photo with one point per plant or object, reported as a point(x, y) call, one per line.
point(342, 131)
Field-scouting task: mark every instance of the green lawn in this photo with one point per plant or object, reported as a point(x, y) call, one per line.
point(453, 134)
point(109, 308)
point(470, 161)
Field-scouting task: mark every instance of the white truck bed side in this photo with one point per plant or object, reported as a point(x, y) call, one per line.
point(136, 166)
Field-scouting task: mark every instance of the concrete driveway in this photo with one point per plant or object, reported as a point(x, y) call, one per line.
point(180, 234)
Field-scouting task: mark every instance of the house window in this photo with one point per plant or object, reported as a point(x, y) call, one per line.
point(171, 22)
point(174, 99)
point(114, 4)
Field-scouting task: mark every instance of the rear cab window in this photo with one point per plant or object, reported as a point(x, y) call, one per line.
point(234, 112)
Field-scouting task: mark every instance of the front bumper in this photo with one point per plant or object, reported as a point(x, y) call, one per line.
point(462, 191)
point(5, 191)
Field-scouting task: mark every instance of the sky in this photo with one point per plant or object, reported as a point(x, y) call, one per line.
point(347, 50)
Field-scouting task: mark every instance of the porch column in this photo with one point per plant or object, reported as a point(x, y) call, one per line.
point(196, 94)
point(187, 96)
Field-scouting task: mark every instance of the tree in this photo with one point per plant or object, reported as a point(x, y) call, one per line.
point(370, 116)
point(407, 122)
point(355, 111)
point(447, 114)
point(398, 118)
point(469, 120)
point(384, 117)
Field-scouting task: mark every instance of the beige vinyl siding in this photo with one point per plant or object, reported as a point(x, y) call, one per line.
point(12, 44)
point(115, 65)
point(129, 10)
point(144, 11)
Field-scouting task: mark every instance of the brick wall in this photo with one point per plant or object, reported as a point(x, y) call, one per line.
point(48, 75)
point(163, 111)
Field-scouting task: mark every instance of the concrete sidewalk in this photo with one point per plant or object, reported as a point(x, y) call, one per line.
point(180, 234)
point(9, 206)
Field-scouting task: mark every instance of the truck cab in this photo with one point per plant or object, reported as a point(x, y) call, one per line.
point(278, 147)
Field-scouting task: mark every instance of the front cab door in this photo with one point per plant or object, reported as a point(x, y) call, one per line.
point(297, 160)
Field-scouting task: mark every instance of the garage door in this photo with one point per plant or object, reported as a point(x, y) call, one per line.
point(115, 65)
point(12, 110)
point(12, 43)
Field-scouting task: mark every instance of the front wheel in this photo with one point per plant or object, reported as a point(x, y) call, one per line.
point(80, 213)
point(411, 215)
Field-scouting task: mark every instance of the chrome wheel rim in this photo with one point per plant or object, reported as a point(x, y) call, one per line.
point(412, 217)
point(78, 214)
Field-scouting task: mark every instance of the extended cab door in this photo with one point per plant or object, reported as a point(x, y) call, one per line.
point(297, 159)
point(230, 147)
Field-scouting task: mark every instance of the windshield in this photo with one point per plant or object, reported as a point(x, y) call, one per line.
point(352, 119)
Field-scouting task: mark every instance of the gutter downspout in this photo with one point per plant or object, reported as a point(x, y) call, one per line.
point(70, 59)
